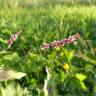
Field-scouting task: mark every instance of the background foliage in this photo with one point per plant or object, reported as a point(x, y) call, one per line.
point(72, 67)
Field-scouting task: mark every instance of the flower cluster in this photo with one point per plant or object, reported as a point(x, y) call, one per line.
point(61, 42)
point(13, 38)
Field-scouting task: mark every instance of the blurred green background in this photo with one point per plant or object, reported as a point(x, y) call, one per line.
point(72, 67)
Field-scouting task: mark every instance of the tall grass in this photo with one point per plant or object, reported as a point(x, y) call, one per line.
point(46, 24)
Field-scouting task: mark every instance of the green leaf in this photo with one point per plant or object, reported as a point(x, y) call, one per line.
point(12, 56)
point(81, 76)
point(69, 54)
point(83, 85)
point(62, 76)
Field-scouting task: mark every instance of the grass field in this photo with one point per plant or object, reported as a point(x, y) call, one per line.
point(26, 70)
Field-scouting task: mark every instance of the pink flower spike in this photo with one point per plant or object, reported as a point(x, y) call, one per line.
point(13, 39)
point(77, 35)
point(45, 46)
point(61, 42)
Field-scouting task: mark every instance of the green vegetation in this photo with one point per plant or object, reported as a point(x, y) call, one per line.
point(69, 70)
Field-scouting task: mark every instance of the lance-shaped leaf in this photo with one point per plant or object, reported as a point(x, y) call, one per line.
point(10, 75)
